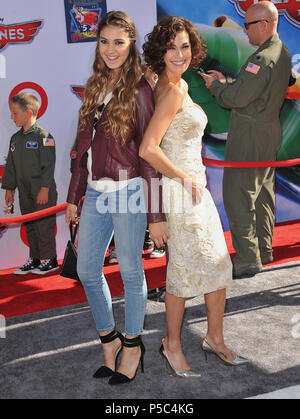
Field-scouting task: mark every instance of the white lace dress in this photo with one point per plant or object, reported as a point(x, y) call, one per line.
point(199, 262)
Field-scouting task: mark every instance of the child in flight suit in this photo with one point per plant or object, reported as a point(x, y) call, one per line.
point(30, 168)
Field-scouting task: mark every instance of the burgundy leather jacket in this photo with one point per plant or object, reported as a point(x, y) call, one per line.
point(117, 157)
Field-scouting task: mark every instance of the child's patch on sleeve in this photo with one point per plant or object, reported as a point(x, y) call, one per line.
point(48, 142)
point(252, 68)
point(73, 155)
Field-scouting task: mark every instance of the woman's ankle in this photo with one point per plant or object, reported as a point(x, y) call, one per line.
point(173, 345)
point(215, 339)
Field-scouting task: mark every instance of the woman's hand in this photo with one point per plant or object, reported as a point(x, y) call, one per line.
point(159, 233)
point(195, 189)
point(71, 214)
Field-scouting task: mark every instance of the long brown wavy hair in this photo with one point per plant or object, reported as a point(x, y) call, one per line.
point(161, 38)
point(121, 109)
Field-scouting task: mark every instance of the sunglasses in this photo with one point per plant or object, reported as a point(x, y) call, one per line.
point(247, 24)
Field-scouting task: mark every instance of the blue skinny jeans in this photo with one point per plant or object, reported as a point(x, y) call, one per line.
point(123, 214)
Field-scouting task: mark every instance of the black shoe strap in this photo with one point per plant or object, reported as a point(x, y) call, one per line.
point(111, 336)
point(131, 343)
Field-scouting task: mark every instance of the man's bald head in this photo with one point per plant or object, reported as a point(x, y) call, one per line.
point(266, 14)
point(263, 10)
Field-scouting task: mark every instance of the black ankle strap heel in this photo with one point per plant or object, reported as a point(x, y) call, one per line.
point(112, 336)
point(104, 371)
point(118, 378)
point(137, 341)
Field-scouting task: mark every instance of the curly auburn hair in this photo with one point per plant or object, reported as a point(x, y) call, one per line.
point(121, 109)
point(162, 37)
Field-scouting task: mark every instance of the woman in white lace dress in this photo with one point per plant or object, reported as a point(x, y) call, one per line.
point(199, 262)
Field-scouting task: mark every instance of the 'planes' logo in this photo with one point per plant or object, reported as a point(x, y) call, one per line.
point(78, 91)
point(18, 33)
point(289, 8)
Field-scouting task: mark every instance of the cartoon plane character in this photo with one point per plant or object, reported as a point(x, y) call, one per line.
point(86, 17)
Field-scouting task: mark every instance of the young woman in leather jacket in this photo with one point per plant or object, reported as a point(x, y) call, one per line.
point(117, 107)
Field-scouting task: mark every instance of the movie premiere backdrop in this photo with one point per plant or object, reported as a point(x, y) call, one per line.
point(220, 22)
point(48, 47)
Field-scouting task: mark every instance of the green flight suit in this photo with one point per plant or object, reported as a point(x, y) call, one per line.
point(30, 165)
point(255, 97)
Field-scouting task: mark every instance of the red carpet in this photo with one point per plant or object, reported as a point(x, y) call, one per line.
point(31, 293)
point(22, 294)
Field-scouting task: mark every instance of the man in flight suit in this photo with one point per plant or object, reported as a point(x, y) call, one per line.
point(255, 97)
point(30, 168)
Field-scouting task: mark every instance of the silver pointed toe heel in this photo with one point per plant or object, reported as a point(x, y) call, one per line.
point(238, 360)
point(182, 374)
